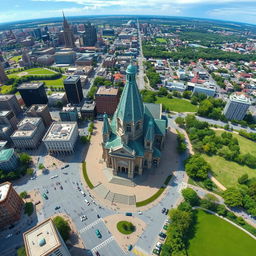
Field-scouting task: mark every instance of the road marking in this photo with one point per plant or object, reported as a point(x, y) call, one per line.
point(90, 225)
point(104, 243)
point(139, 251)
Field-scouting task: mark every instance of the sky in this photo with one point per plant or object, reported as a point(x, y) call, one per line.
point(232, 10)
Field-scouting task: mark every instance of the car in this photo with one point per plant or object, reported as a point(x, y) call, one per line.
point(140, 213)
point(82, 192)
point(47, 192)
point(156, 252)
point(159, 245)
point(166, 212)
point(9, 235)
point(128, 214)
point(129, 247)
point(163, 235)
point(45, 196)
point(57, 208)
point(61, 187)
point(98, 215)
point(83, 218)
point(67, 165)
point(98, 234)
point(86, 201)
point(165, 227)
point(163, 210)
point(97, 253)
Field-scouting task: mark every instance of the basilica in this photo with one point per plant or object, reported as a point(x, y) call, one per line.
point(134, 138)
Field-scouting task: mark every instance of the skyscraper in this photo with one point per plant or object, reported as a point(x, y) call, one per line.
point(73, 89)
point(3, 76)
point(90, 35)
point(68, 34)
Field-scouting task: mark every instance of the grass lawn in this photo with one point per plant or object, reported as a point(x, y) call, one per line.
point(5, 89)
point(227, 172)
point(177, 105)
point(161, 40)
point(125, 227)
point(16, 58)
point(86, 177)
point(55, 82)
point(246, 146)
point(33, 71)
point(215, 236)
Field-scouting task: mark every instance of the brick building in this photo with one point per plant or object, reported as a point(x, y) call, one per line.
point(10, 204)
point(106, 100)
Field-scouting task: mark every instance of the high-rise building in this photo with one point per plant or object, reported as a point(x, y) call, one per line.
point(42, 111)
point(89, 35)
point(10, 204)
point(8, 160)
point(37, 33)
point(45, 240)
point(237, 106)
point(33, 93)
point(10, 102)
point(3, 76)
point(68, 34)
point(73, 89)
point(7, 117)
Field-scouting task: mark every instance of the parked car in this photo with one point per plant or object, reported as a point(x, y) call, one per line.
point(45, 196)
point(163, 210)
point(128, 214)
point(98, 215)
point(166, 212)
point(165, 227)
point(156, 252)
point(129, 247)
point(140, 212)
point(159, 245)
point(163, 235)
point(57, 208)
point(98, 234)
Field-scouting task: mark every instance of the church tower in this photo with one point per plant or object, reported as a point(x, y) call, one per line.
point(68, 34)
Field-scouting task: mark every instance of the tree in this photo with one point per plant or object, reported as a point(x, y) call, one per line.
point(221, 210)
point(233, 197)
point(24, 194)
point(21, 251)
point(25, 159)
point(180, 121)
point(41, 166)
point(243, 179)
point(29, 171)
point(208, 184)
point(62, 226)
point(197, 167)
point(190, 196)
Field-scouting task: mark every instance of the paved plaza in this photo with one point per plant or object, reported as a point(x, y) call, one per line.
point(115, 192)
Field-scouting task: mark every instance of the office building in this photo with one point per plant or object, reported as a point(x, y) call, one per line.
point(88, 110)
point(44, 240)
point(69, 113)
point(6, 132)
point(57, 99)
point(29, 134)
point(33, 93)
point(10, 102)
point(8, 160)
point(7, 117)
point(73, 89)
point(106, 99)
point(69, 39)
point(207, 89)
point(89, 35)
point(42, 111)
point(66, 57)
point(10, 205)
point(3, 76)
point(37, 33)
point(237, 106)
point(61, 137)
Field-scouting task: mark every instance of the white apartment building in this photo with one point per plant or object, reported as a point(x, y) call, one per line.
point(29, 134)
point(61, 137)
point(45, 240)
point(237, 106)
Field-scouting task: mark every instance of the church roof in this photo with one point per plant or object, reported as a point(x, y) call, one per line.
point(150, 134)
point(130, 108)
point(106, 127)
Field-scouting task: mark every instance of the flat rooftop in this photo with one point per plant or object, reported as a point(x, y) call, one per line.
point(68, 109)
point(6, 97)
point(240, 98)
point(107, 91)
point(71, 79)
point(4, 112)
point(42, 239)
point(37, 107)
point(60, 131)
point(88, 107)
point(30, 85)
point(27, 126)
point(4, 188)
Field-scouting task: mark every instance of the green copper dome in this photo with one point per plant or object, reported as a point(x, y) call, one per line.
point(131, 69)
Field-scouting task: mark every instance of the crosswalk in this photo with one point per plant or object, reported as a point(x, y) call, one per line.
point(90, 226)
point(139, 252)
point(104, 243)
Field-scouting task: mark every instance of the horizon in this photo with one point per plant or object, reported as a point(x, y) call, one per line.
point(223, 10)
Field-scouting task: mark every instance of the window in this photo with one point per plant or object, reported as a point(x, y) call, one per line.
point(148, 144)
point(128, 128)
point(137, 126)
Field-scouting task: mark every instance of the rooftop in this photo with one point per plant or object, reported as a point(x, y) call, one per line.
point(60, 131)
point(88, 106)
point(240, 97)
point(107, 91)
point(30, 85)
point(5, 154)
point(4, 188)
point(27, 127)
point(71, 79)
point(42, 239)
point(4, 112)
point(6, 97)
point(37, 107)
point(68, 109)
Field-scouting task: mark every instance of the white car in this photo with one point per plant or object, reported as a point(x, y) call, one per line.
point(86, 201)
point(82, 192)
point(140, 212)
point(158, 245)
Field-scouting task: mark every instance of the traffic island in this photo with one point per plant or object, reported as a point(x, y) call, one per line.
point(125, 236)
